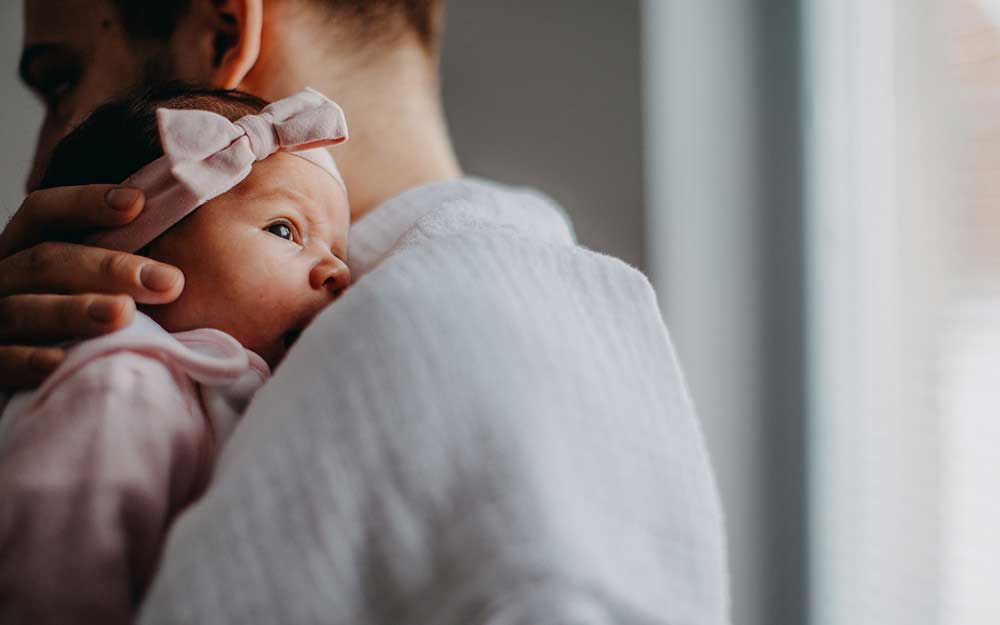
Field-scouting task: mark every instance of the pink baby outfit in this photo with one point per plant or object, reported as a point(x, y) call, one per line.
point(127, 428)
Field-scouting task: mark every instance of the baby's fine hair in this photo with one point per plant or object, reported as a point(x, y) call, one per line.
point(121, 136)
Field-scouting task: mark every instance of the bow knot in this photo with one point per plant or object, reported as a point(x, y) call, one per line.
point(196, 142)
point(262, 135)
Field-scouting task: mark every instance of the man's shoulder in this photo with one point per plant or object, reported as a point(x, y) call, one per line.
point(492, 274)
point(514, 273)
point(494, 255)
point(488, 208)
point(505, 307)
point(483, 234)
point(445, 209)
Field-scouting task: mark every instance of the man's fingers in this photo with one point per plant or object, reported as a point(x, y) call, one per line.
point(34, 319)
point(66, 268)
point(50, 214)
point(27, 367)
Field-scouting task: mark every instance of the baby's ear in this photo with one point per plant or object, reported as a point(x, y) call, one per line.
point(218, 41)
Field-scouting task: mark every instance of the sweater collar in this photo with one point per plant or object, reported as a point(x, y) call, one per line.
point(377, 233)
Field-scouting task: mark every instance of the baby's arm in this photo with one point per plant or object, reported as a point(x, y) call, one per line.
point(89, 478)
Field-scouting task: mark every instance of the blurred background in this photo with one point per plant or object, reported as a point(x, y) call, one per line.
point(812, 187)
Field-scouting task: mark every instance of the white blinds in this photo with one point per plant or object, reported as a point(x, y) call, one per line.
point(904, 348)
point(969, 366)
point(970, 402)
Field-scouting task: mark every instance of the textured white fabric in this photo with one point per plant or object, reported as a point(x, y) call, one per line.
point(489, 427)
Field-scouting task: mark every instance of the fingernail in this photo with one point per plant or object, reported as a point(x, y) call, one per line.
point(104, 310)
point(46, 359)
point(158, 278)
point(122, 198)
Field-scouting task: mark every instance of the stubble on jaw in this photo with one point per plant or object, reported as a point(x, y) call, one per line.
point(157, 66)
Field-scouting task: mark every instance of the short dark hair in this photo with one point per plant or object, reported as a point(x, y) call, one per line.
point(121, 137)
point(380, 20)
point(156, 20)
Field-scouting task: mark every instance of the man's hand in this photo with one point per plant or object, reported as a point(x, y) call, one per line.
point(52, 290)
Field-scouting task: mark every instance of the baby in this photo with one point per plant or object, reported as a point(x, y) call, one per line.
point(242, 197)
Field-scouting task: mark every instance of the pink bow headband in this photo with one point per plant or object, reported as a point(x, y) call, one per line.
point(206, 155)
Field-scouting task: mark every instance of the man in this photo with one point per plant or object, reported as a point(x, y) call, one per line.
point(489, 426)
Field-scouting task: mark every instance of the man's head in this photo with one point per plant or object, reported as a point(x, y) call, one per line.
point(80, 53)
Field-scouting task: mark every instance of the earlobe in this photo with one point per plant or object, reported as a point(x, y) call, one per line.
point(236, 40)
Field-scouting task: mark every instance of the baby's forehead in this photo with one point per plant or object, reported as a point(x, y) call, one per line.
point(296, 179)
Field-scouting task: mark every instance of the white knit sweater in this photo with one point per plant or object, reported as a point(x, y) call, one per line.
point(489, 427)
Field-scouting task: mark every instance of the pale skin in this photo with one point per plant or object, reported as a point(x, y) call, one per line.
point(77, 57)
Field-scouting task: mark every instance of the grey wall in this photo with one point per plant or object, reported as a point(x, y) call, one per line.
point(20, 114)
point(547, 94)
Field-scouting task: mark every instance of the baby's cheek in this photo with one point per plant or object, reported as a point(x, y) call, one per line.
point(268, 313)
point(212, 296)
point(196, 307)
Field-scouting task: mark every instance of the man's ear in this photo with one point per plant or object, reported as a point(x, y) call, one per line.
point(226, 34)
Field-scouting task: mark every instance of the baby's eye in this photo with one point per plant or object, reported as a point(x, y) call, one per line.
point(281, 230)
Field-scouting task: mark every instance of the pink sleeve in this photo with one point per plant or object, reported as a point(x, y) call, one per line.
point(90, 477)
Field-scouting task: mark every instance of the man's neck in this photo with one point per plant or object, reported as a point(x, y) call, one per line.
point(398, 134)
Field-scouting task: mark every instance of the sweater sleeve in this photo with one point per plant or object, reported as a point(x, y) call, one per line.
point(90, 475)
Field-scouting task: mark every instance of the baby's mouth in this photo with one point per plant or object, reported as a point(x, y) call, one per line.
point(289, 338)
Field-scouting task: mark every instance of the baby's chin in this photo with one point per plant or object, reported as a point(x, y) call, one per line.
point(288, 339)
point(276, 350)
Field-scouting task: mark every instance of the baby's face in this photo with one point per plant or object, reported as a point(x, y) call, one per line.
point(262, 259)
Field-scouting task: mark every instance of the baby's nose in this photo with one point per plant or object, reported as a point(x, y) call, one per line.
point(330, 274)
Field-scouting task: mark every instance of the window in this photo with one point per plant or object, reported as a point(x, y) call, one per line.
point(903, 331)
